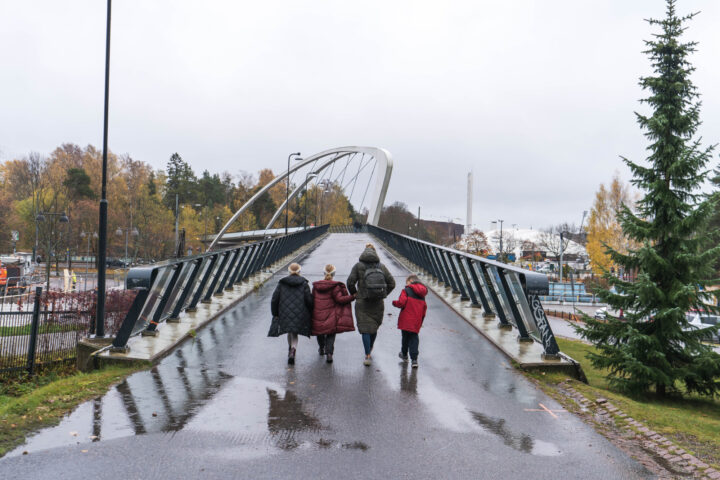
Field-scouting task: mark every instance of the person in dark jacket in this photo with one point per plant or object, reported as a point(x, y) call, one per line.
point(332, 313)
point(368, 311)
point(292, 304)
point(413, 308)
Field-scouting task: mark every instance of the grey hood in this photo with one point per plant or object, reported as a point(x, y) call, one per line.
point(369, 256)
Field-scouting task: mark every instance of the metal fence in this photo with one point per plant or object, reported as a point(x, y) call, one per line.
point(41, 328)
point(166, 289)
point(509, 293)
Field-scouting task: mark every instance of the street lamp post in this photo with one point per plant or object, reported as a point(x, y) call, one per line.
point(87, 260)
point(501, 237)
point(287, 189)
point(417, 233)
point(134, 232)
point(308, 176)
point(102, 227)
point(41, 218)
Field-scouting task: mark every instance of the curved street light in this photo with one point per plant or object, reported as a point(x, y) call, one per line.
point(287, 187)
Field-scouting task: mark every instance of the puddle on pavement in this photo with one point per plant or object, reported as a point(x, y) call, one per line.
point(521, 442)
point(452, 414)
point(162, 399)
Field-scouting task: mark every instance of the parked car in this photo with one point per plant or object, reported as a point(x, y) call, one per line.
point(701, 320)
point(601, 313)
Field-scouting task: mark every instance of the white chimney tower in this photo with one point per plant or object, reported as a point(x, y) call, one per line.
point(468, 220)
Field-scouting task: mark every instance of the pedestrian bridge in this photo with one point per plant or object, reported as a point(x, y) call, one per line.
point(225, 404)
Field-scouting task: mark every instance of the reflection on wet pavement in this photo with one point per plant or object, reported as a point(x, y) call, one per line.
point(286, 417)
point(521, 442)
point(408, 380)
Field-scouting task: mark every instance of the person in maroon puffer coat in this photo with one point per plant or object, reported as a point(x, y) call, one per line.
point(412, 314)
point(332, 313)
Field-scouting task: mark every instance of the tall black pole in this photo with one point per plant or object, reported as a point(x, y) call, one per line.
point(102, 228)
point(287, 193)
point(287, 190)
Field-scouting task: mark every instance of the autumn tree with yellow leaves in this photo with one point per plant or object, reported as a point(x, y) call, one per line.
point(603, 227)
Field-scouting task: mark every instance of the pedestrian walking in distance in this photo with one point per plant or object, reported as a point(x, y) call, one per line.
point(332, 313)
point(291, 307)
point(372, 282)
point(413, 308)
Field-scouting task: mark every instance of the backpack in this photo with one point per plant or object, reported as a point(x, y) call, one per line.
point(375, 283)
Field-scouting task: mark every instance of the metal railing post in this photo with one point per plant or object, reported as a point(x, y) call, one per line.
point(228, 272)
point(203, 281)
point(187, 288)
point(34, 332)
point(513, 308)
point(168, 291)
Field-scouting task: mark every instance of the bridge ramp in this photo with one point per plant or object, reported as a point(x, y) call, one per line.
point(226, 405)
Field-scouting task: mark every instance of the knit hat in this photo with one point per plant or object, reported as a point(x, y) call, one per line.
point(294, 269)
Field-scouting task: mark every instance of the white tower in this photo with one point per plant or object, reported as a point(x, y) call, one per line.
point(468, 221)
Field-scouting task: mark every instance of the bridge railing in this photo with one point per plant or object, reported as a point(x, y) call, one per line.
point(168, 288)
point(503, 291)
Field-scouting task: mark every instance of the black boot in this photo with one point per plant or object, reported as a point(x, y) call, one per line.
point(291, 357)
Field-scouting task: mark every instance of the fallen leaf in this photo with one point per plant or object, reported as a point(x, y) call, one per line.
point(12, 425)
point(25, 452)
point(74, 434)
point(93, 437)
point(292, 383)
point(154, 414)
point(84, 451)
point(39, 418)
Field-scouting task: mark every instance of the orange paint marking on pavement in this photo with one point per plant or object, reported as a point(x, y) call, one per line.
point(545, 409)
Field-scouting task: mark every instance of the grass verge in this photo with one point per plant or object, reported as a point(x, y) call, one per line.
point(30, 404)
point(692, 422)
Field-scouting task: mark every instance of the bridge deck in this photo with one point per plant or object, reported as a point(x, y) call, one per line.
point(225, 405)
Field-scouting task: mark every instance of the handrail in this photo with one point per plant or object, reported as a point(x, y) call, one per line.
point(509, 293)
point(167, 288)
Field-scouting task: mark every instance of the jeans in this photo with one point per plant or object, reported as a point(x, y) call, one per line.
point(327, 343)
point(368, 341)
point(411, 342)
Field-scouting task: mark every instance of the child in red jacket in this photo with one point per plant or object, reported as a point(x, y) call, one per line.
point(413, 308)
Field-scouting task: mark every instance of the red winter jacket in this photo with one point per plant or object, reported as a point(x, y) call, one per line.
point(332, 312)
point(413, 307)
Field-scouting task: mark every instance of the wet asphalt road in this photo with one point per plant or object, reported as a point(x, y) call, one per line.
point(226, 405)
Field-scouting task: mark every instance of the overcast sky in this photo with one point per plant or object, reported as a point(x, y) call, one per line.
point(537, 97)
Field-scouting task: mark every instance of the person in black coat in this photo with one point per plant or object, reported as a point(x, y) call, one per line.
point(291, 307)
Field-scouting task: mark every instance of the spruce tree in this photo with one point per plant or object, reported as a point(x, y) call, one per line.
point(653, 347)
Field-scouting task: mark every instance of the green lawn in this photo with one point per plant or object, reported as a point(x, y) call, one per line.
point(693, 423)
point(26, 406)
point(52, 328)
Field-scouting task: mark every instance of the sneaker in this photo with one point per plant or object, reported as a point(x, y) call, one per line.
point(291, 357)
point(367, 362)
point(414, 364)
point(404, 358)
point(329, 358)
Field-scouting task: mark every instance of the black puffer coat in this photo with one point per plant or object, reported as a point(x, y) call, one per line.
point(292, 303)
point(368, 312)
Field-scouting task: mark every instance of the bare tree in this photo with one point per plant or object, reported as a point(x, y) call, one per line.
point(555, 239)
point(506, 243)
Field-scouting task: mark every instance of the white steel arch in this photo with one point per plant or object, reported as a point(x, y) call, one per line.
point(382, 180)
